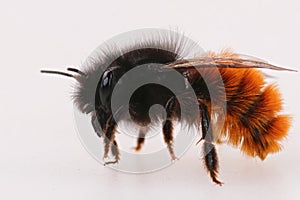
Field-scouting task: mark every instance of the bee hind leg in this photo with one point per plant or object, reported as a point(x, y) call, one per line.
point(211, 161)
point(209, 150)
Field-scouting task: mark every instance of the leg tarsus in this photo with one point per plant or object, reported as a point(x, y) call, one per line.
point(171, 150)
point(215, 180)
point(109, 136)
point(106, 143)
point(211, 162)
point(115, 152)
point(111, 162)
point(140, 142)
point(168, 137)
point(141, 138)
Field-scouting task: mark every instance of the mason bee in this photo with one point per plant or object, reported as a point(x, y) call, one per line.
point(222, 94)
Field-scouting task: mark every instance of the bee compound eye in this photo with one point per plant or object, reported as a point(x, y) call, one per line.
point(106, 79)
point(106, 87)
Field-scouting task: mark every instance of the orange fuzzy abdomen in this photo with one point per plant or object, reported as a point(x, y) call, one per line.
point(253, 120)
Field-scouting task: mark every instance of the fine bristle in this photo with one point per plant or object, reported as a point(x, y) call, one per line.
point(104, 55)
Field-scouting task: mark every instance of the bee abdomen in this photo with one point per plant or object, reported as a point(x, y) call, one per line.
point(253, 119)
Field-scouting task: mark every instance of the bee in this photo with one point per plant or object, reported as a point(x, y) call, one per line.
point(250, 108)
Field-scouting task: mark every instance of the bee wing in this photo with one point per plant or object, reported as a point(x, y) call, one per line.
point(221, 62)
point(247, 57)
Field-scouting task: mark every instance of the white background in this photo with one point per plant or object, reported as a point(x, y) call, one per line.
point(41, 155)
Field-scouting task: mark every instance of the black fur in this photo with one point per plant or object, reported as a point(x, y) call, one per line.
point(102, 72)
point(100, 75)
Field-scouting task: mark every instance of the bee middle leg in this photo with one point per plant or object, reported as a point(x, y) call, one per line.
point(168, 127)
point(141, 137)
point(209, 150)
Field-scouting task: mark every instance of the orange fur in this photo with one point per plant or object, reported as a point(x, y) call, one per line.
point(253, 120)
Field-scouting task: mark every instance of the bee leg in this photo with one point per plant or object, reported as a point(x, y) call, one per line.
point(211, 161)
point(115, 152)
point(96, 125)
point(210, 153)
point(168, 127)
point(141, 138)
point(109, 135)
point(168, 136)
point(205, 124)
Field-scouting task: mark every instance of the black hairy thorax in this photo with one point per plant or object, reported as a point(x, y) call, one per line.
point(145, 64)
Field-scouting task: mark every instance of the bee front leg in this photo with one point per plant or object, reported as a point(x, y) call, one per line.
point(209, 150)
point(115, 152)
point(168, 127)
point(109, 139)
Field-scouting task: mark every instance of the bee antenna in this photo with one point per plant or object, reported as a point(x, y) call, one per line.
point(57, 72)
point(76, 70)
